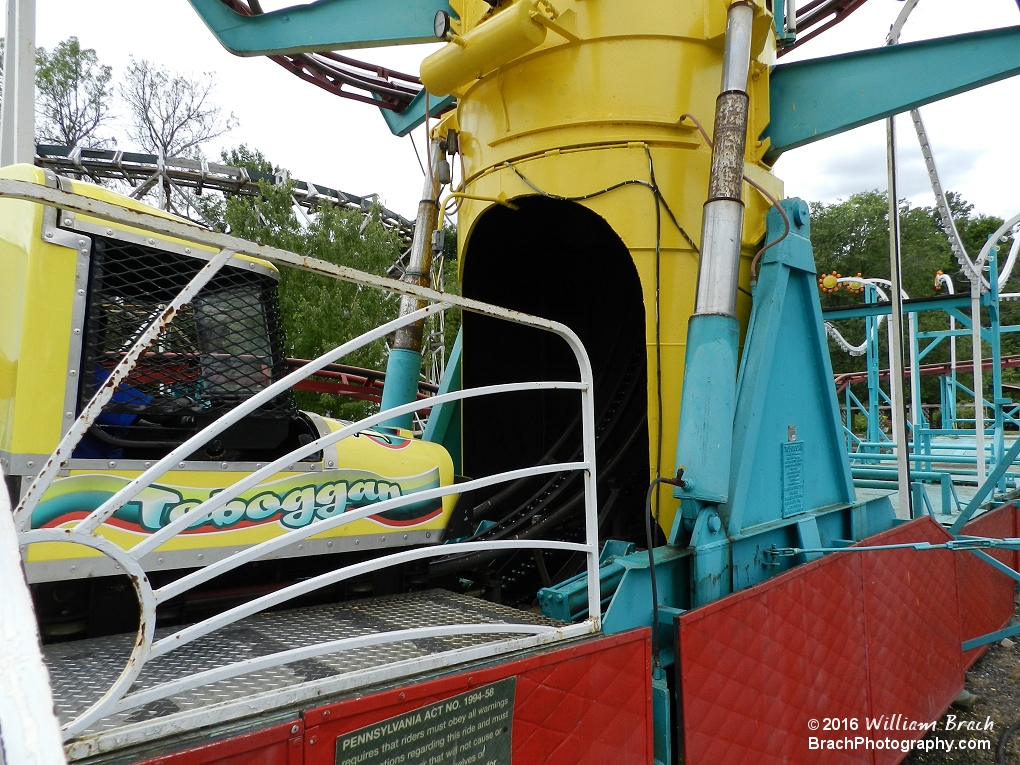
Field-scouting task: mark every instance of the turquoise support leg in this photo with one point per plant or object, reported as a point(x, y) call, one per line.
point(402, 371)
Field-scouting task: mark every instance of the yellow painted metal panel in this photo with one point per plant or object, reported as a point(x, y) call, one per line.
point(36, 294)
point(575, 116)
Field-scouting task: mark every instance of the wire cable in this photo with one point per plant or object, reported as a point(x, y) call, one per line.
point(614, 187)
point(658, 322)
point(650, 543)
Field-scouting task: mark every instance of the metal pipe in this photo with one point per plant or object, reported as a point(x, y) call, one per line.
point(896, 328)
point(17, 121)
point(419, 263)
point(403, 367)
point(722, 224)
point(705, 435)
point(979, 384)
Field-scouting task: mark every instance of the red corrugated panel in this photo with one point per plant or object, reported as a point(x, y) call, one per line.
point(986, 595)
point(854, 635)
point(912, 619)
point(590, 703)
point(757, 666)
point(278, 745)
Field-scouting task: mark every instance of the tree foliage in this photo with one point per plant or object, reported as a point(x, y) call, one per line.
point(852, 237)
point(73, 95)
point(319, 313)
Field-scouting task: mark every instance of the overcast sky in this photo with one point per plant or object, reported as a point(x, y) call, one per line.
point(343, 144)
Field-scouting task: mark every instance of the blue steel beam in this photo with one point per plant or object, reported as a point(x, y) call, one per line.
point(815, 99)
point(944, 303)
point(402, 123)
point(325, 25)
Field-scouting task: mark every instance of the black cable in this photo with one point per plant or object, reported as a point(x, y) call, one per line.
point(658, 323)
point(650, 542)
point(614, 187)
point(1000, 753)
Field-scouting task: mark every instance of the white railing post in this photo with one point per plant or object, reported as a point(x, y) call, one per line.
point(29, 732)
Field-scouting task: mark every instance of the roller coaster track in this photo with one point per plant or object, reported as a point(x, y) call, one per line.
point(943, 368)
point(145, 171)
point(343, 76)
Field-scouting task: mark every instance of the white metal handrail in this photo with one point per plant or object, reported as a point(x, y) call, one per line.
point(29, 734)
point(119, 697)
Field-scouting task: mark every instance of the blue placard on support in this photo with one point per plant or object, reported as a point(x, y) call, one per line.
point(793, 478)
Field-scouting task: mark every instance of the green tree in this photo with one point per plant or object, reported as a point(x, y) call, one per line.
point(852, 237)
point(73, 95)
point(319, 313)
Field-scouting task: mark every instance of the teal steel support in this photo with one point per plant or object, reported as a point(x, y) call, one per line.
point(403, 368)
point(871, 325)
point(402, 123)
point(987, 488)
point(443, 426)
point(815, 99)
point(322, 26)
point(994, 637)
point(789, 456)
point(704, 443)
point(662, 721)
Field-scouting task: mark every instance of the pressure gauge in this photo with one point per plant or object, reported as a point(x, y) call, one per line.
point(441, 24)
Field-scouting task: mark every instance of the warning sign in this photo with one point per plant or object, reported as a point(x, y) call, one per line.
point(473, 728)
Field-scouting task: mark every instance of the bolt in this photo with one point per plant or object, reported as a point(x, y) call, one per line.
point(151, 240)
point(326, 713)
point(49, 234)
point(159, 561)
point(180, 464)
point(294, 729)
point(187, 250)
point(112, 464)
point(311, 741)
point(73, 372)
point(109, 231)
point(68, 415)
point(200, 556)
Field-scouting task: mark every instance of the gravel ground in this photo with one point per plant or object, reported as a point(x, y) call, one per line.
point(995, 680)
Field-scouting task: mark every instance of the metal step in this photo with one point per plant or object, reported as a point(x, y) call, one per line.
point(83, 670)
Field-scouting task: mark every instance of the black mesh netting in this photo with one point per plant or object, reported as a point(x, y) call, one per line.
point(223, 347)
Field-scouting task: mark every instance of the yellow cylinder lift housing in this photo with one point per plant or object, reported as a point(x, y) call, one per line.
point(612, 91)
point(49, 307)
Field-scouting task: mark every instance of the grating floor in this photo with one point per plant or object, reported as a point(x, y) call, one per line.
point(82, 671)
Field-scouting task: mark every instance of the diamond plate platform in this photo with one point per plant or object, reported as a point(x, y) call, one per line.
point(82, 671)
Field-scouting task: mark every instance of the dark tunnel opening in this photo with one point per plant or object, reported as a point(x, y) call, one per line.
point(560, 261)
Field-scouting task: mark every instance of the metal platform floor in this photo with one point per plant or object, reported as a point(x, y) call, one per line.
point(82, 671)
